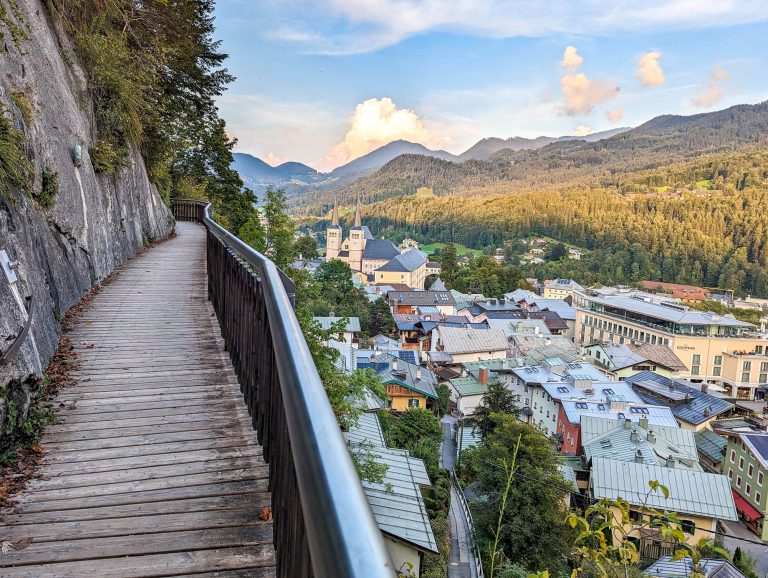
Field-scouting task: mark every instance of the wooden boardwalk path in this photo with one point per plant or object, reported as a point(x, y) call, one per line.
point(153, 468)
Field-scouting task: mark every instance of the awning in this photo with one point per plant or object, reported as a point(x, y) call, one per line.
point(747, 510)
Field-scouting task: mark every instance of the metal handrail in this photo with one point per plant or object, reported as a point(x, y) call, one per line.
point(6, 357)
point(468, 517)
point(340, 532)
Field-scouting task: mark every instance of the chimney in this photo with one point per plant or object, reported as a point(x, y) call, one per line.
point(427, 318)
point(378, 290)
point(463, 372)
point(644, 422)
point(482, 375)
point(670, 462)
point(708, 411)
point(536, 330)
point(394, 364)
point(418, 373)
point(651, 437)
point(704, 388)
point(634, 437)
point(332, 314)
point(627, 423)
point(639, 457)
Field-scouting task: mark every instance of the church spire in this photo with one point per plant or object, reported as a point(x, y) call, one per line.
point(335, 218)
point(358, 219)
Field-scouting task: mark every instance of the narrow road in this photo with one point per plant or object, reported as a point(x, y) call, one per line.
point(757, 551)
point(460, 563)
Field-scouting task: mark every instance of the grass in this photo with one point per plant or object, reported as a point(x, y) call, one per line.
point(460, 249)
point(705, 184)
point(24, 103)
point(15, 168)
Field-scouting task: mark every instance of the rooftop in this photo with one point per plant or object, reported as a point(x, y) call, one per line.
point(380, 249)
point(687, 403)
point(690, 492)
point(575, 411)
point(758, 446)
point(421, 298)
point(565, 284)
point(710, 445)
point(352, 324)
point(405, 262)
point(666, 567)
point(537, 348)
point(457, 340)
point(409, 375)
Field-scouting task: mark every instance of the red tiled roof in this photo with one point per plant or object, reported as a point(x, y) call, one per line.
point(690, 292)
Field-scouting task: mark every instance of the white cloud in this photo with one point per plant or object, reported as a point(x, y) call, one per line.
point(649, 70)
point(272, 159)
point(571, 58)
point(582, 130)
point(375, 123)
point(712, 91)
point(356, 26)
point(581, 95)
point(615, 115)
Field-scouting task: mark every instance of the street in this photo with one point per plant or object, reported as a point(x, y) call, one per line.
point(757, 551)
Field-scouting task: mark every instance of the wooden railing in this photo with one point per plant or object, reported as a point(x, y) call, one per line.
point(323, 525)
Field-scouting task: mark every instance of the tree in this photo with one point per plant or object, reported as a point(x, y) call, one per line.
point(381, 320)
point(558, 252)
point(305, 247)
point(449, 264)
point(252, 232)
point(443, 399)
point(533, 532)
point(280, 229)
point(419, 431)
point(498, 400)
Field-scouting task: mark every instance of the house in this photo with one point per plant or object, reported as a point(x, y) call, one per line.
point(537, 348)
point(346, 362)
point(640, 442)
point(574, 254)
point(397, 503)
point(407, 384)
point(699, 498)
point(469, 344)
point(716, 349)
point(468, 389)
point(678, 291)
point(667, 567)
point(693, 409)
point(510, 327)
point(711, 449)
point(433, 268)
point(409, 301)
point(555, 324)
point(746, 465)
point(573, 412)
point(620, 360)
point(409, 268)
point(350, 327)
point(561, 289)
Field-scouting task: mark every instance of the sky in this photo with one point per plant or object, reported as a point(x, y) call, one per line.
point(325, 81)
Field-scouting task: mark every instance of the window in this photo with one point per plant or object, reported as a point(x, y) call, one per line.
point(733, 456)
point(695, 370)
point(716, 371)
point(750, 470)
point(548, 416)
point(718, 359)
point(688, 527)
point(748, 489)
point(608, 391)
point(696, 359)
point(730, 474)
point(413, 402)
point(636, 517)
point(741, 463)
point(760, 477)
point(738, 481)
point(764, 366)
point(759, 349)
point(747, 366)
point(745, 377)
point(763, 378)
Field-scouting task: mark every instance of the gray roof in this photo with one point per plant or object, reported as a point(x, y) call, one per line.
point(565, 284)
point(346, 362)
point(380, 249)
point(513, 326)
point(457, 340)
point(397, 503)
point(367, 431)
point(687, 403)
point(540, 347)
point(711, 445)
point(666, 567)
point(666, 310)
point(405, 262)
point(696, 493)
point(440, 298)
point(616, 443)
point(406, 375)
point(438, 285)
point(656, 414)
point(353, 323)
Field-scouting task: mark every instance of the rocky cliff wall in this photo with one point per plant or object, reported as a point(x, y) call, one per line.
point(96, 221)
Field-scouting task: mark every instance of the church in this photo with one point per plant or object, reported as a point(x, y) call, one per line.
point(376, 261)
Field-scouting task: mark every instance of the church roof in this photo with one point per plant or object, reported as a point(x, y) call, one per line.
point(380, 249)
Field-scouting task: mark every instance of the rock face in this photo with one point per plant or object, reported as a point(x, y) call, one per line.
point(96, 222)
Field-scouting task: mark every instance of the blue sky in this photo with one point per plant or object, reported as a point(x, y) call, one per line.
point(325, 81)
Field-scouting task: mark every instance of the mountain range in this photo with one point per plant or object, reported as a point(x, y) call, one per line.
point(297, 178)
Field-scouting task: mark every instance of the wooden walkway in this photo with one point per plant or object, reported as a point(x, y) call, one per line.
point(153, 468)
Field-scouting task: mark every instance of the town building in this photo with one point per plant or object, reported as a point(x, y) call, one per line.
point(699, 498)
point(693, 408)
point(374, 260)
point(711, 449)
point(407, 384)
point(409, 301)
point(469, 389)
point(746, 465)
point(464, 344)
point(718, 349)
point(621, 360)
point(350, 327)
point(561, 289)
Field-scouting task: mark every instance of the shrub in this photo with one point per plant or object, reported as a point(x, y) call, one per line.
point(15, 168)
point(24, 103)
point(107, 158)
point(50, 188)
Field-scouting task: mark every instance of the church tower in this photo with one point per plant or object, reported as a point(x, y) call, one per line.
point(333, 236)
point(357, 241)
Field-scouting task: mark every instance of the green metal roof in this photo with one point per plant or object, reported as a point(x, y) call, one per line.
point(469, 385)
point(711, 445)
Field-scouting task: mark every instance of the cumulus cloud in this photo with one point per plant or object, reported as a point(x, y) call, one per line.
point(615, 115)
point(571, 58)
point(582, 131)
point(272, 159)
point(581, 95)
point(649, 70)
point(712, 91)
point(376, 122)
